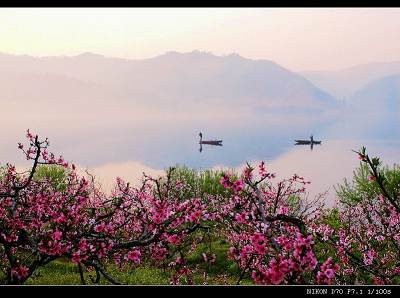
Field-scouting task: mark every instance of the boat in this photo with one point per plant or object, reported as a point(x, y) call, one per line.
point(209, 142)
point(308, 142)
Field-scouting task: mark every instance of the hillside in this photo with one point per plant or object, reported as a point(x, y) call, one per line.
point(177, 78)
point(343, 83)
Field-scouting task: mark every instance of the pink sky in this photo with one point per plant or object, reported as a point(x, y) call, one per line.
point(297, 38)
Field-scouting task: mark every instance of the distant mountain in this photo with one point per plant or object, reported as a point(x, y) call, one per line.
point(376, 107)
point(381, 96)
point(172, 78)
point(382, 93)
point(343, 83)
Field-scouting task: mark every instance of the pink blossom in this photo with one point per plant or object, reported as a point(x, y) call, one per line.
point(57, 235)
point(134, 255)
point(21, 272)
point(174, 239)
point(238, 185)
point(100, 227)
point(225, 181)
point(369, 257)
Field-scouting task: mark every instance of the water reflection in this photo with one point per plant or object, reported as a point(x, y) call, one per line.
point(125, 143)
point(325, 167)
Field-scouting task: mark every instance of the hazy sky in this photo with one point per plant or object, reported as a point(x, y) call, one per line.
point(297, 38)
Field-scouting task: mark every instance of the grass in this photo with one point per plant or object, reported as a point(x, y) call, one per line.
point(61, 272)
point(64, 272)
point(201, 182)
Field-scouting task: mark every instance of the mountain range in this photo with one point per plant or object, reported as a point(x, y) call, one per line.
point(175, 78)
point(345, 82)
point(195, 81)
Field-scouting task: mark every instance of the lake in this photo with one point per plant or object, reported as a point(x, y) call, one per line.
point(125, 144)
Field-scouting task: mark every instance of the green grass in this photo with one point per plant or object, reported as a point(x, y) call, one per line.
point(200, 183)
point(61, 272)
point(64, 272)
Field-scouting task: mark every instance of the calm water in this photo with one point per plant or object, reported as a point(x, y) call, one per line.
point(325, 166)
point(114, 145)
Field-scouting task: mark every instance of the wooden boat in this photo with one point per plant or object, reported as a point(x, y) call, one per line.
point(215, 143)
point(209, 142)
point(310, 142)
point(307, 142)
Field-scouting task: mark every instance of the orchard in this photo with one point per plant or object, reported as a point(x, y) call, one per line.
point(274, 233)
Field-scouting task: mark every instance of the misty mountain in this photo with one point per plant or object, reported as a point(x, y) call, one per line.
point(345, 82)
point(380, 96)
point(170, 79)
point(374, 110)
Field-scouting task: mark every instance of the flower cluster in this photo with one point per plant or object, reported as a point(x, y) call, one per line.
point(80, 222)
point(276, 236)
point(327, 272)
point(268, 239)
